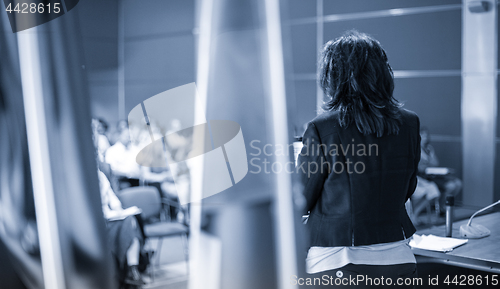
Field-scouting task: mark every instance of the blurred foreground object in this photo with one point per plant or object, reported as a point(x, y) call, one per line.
point(48, 88)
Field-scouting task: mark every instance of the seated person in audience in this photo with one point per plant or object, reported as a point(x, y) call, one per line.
point(161, 176)
point(124, 234)
point(122, 158)
point(179, 145)
point(98, 145)
point(424, 195)
point(449, 185)
point(99, 127)
point(120, 126)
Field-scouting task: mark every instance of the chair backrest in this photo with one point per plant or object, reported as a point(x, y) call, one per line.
point(146, 198)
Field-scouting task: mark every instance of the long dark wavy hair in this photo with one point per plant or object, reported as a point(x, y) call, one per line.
point(356, 76)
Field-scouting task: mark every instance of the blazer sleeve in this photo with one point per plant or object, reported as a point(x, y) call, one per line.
point(413, 179)
point(312, 167)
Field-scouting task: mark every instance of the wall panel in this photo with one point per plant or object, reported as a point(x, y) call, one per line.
point(435, 99)
point(305, 91)
point(340, 6)
point(301, 8)
point(153, 18)
point(413, 42)
point(303, 39)
point(160, 59)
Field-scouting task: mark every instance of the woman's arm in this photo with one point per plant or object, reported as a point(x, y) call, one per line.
point(312, 166)
point(110, 202)
point(413, 179)
point(114, 202)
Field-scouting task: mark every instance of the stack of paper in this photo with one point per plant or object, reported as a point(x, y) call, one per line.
point(435, 243)
point(437, 171)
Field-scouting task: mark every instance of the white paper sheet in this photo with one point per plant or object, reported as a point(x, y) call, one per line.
point(435, 243)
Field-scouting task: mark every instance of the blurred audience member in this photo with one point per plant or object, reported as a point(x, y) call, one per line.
point(425, 194)
point(96, 136)
point(122, 158)
point(448, 184)
point(121, 125)
point(100, 127)
point(179, 145)
point(124, 234)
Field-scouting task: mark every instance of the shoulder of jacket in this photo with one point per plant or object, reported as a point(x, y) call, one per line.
point(409, 117)
point(327, 120)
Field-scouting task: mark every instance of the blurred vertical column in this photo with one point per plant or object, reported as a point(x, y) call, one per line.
point(121, 60)
point(319, 46)
point(241, 78)
point(67, 201)
point(17, 214)
point(284, 208)
point(38, 144)
point(479, 99)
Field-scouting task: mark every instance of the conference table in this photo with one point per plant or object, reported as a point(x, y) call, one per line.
point(479, 254)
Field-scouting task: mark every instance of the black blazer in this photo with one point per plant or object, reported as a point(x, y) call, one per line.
point(356, 185)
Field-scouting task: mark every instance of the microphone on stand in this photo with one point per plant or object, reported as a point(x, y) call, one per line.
point(450, 202)
point(476, 231)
